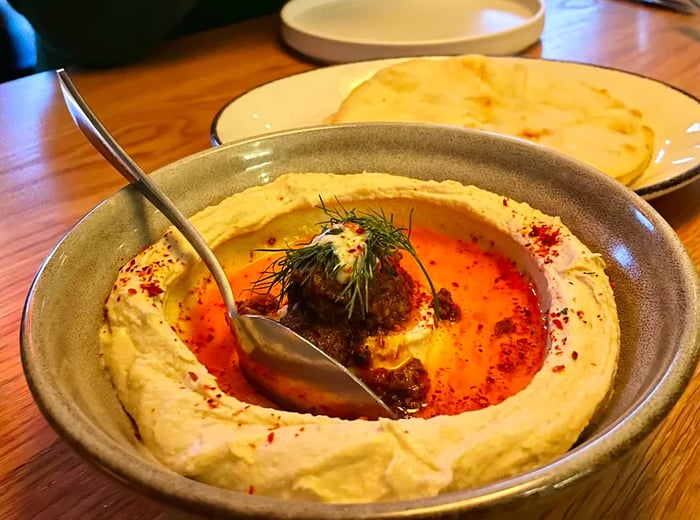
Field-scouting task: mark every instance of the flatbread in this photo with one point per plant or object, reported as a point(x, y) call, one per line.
point(473, 91)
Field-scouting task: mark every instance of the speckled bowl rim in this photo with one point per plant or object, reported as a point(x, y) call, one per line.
point(189, 495)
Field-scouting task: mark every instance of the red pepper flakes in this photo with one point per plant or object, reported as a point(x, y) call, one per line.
point(558, 368)
point(132, 290)
point(271, 241)
point(546, 235)
point(193, 376)
point(251, 489)
point(574, 355)
point(151, 288)
point(505, 202)
point(270, 437)
point(557, 323)
point(507, 367)
point(360, 230)
point(212, 404)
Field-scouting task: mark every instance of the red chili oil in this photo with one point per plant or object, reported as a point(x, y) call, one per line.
point(490, 354)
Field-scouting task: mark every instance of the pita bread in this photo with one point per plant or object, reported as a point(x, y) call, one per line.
point(487, 94)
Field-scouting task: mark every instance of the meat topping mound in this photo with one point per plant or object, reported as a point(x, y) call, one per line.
point(390, 298)
point(347, 285)
point(340, 341)
point(317, 310)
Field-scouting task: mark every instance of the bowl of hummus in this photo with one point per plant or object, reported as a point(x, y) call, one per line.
point(527, 318)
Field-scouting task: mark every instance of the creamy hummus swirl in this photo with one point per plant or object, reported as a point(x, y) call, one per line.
point(189, 425)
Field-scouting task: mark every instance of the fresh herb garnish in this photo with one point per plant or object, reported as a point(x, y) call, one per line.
point(384, 239)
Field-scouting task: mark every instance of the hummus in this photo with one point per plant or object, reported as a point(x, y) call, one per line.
point(189, 425)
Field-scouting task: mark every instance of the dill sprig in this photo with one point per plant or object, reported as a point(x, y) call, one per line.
point(384, 239)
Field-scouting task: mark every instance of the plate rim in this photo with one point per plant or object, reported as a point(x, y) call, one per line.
point(536, 16)
point(648, 192)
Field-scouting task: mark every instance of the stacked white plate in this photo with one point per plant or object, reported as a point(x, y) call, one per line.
point(338, 31)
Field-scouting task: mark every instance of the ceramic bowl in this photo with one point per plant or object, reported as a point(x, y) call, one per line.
point(655, 282)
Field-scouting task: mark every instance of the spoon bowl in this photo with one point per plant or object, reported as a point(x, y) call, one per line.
point(283, 365)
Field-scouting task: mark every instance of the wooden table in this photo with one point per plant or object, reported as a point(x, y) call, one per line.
point(160, 110)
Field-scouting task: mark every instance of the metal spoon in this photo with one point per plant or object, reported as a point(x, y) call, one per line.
point(290, 370)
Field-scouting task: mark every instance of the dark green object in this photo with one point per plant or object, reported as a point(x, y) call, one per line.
point(109, 33)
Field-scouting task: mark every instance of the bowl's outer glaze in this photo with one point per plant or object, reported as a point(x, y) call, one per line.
point(656, 288)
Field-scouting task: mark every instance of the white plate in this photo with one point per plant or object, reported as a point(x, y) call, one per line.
point(307, 99)
point(338, 31)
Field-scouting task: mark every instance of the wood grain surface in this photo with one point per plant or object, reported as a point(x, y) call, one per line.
point(160, 110)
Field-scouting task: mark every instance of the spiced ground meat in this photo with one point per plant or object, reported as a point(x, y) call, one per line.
point(317, 310)
point(404, 390)
point(342, 342)
point(447, 307)
point(321, 298)
point(260, 304)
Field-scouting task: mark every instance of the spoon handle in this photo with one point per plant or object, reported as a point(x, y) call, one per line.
point(102, 140)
